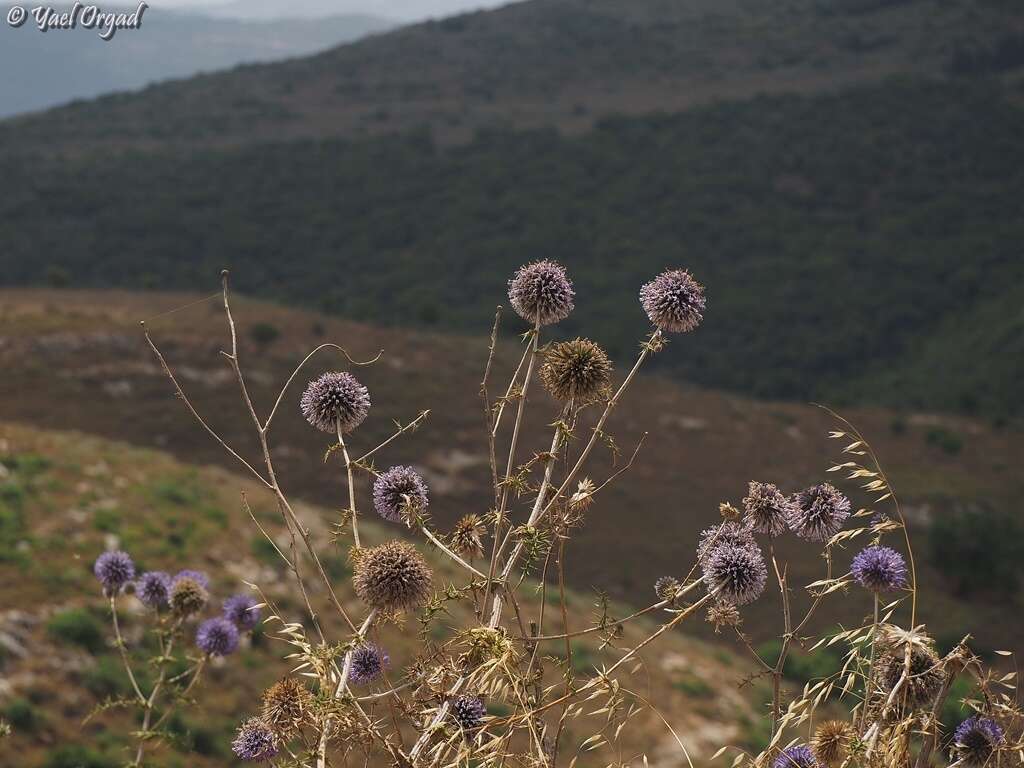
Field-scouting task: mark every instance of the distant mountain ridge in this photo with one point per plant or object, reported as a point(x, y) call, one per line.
point(66, 65)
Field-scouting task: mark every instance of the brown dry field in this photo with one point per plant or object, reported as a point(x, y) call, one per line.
point(77, 360)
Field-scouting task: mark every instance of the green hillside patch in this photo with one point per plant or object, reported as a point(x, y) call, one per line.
point(875, 232)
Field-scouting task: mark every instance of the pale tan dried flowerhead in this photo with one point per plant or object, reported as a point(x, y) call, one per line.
point(467, 537)
point(393, 576)
point(188, 597)
point(723, 615)
point(286, 707)
point(926, 674)
point(576, 370)
point(831, 742)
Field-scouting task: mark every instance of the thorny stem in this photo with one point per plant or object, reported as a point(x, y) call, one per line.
point(321, 758)
point(871, 665)
point(444, 548)
point(351, 486)
point(123, 650)
point(200, 666)
point(165, 653)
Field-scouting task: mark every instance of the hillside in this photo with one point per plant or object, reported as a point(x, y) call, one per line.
point(76, 360)
point(549, 62)
point(65, 496)
point(76, 64)
point(875, 231)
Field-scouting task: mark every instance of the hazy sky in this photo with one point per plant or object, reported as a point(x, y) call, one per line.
point(405, 10)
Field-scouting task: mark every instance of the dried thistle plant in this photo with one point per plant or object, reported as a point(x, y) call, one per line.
point(491, 691)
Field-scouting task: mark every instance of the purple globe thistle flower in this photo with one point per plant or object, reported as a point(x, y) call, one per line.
point(818, 512)
point(468, 711)
point(367, 664)
point(798, 756)
point(880, 569)
point(242, 611)
point(735, 573)
point(217, 637)
point(730, 533)
point(255, 741)
point(197, 576)
point(674, 301)
point(396, 489)
point(114, 570)
point(541, 293)
point(976, 738)
point(153, 588)
point(333, 399)
point(766, 509)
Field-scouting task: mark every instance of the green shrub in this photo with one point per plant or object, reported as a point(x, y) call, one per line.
point(21, 715)
point(77, 627)
point(77, 756)
point(943, 438)
point(978, 551)
point(693, 686)
point(264, 334)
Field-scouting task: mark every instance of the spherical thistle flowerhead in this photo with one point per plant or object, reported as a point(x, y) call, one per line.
point(731, 532)
point(576, 370)
point(241, 611)
point(188, 597)
point(735, 573)
point(976, 739)
point(468, 711)
point(393, 576)
point(255, 741)
point(217, 637)
point(114, 570)
point(766, 509)
point(367, 664)
point(923, 683)
point(541, 293)
point(153, 588)
point(198, 576)
point(467, 537)
point(832, 741)
point(398, 490)
point(798, 756)
point(674, 301)
point(335, 398)
point(286, 707)
point(723, 615)
point(818, 512)
point(879, 569)
point(667, 588)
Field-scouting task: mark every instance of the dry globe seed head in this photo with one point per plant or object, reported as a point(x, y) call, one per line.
point(818, 512)
point(832, 741)
point(541, 293)
point(766, 509)
point(467, 537)
point(923, 683)
point(199, 576)
point(723, 615)
point(286, 707)
point(730, 532)
point(188, 597)
point(667, 588)
point(393, 576)
point(674, 301)
point(255, 741)
point(576, 370)
point(400, 489)
point(335, 398)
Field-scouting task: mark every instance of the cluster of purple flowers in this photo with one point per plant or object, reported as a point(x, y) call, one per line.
point(734, 567)
point(217, 636)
